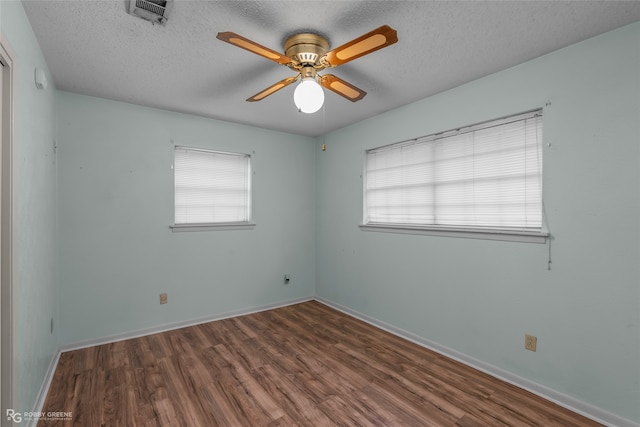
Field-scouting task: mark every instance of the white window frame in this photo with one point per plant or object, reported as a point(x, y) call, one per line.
point(221, 225)
point(517, 234)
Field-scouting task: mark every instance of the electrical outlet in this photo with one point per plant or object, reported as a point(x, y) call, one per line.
point(287, 279)
point(530, 342)
point(163, 298)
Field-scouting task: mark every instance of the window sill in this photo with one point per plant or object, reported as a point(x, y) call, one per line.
point(465, 233)
point(180, 228)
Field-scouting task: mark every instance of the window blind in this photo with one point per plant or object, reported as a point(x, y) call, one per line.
point(486, 176)
point(211, 187)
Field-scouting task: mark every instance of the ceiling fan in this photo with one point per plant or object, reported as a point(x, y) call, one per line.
point(308, 53)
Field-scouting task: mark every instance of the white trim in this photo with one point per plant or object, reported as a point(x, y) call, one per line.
point(9, 355)
point(44, 388)
point(181, 228)
point(590, 411)
point(46, 383)
point(177, 325)
point(502, 235)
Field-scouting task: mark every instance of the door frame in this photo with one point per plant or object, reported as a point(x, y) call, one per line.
point(7, 341)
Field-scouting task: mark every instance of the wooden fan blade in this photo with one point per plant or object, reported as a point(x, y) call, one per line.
point(363, 45)
point(273, 88)
point(342, 88)
point(251, 46)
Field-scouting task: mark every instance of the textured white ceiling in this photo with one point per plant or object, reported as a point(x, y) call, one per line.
point(96, 48)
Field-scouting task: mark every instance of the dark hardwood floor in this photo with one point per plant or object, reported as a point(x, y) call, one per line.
point(301, 365)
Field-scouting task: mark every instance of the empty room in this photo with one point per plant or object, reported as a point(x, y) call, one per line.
point(318, 213)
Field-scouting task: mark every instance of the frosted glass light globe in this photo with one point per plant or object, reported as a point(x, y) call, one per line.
point(308, 96)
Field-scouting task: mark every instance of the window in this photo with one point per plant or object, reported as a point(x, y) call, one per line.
point(483, 178)
point(211, 188)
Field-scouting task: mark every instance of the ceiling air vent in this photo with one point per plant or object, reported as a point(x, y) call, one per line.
point(155, 11)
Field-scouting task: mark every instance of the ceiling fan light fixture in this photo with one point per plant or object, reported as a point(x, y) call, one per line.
point(308, 96)
point(307, 54)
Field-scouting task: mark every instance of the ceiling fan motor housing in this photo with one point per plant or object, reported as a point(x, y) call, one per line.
point(306, 49)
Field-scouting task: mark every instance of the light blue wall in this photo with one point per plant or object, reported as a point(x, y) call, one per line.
point(481, 297)
point(36, 296)
point(117, 253)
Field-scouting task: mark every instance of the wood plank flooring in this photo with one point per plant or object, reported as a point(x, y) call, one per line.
point(301, 365)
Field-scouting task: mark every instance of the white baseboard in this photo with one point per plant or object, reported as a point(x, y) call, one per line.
point(46, 383)
point(177, 325)
point(44, 388)
point(597, 414)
